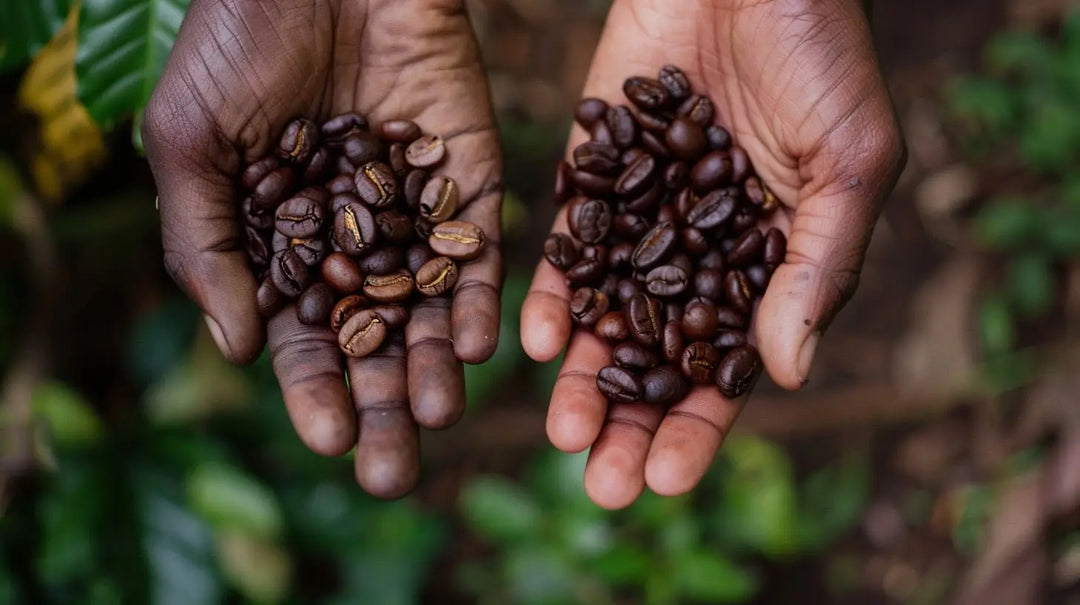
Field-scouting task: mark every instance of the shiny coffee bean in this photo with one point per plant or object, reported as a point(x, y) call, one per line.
point(694, 242)
point(589, 111)
point(354, 229)
point(381, 261)
point(758, 276)
point(619, 256)
point(395, 316)
point(686, 139)
point(711, 212)
point(653, 143)
point(376, 185)
point(423, 228)
point(337, 129)
point(396, 160)
point(775, 249)
point(674, 311)
point(676, 175)
point(314, 305)
point(303, 215)
point(563, 187)
point(623, 127)
point(588, 270)
point(718, 137)
point(590, 220)
point(655, 246)
point(711, 171)
point(709, 284)
point(737, 291)
point(341, 200)
point(699, 362)
point(258, 248)
point(643, 315)
point(748, 248)
point(730, 318)
point(682, 261)
point(618, 385)
point(630, 227)
point(738, 371)
point(597, 158)
point(667, 281)
point(394, 227)
point(299, 141)
point(684, 202)
point(413, 188)
point(610, 285)
point(289, 273)
point(437, 276)
point(647, 201)
point(318, 167)
point(268, 300)
point(741, 168)
point(389, 288)
point(362, 148)
point(633, 356)
point(729, 339)
point(260, 221)
point(713, 259)
point(256, 171)
point(344, 166)
point(362, 334)
point(671, 341)
point(273, 189)
point(600, 132)
point(416, 256)
point(400, 131)
point(342, 273)
point(653, 122)
point(637, 177)
point(561, 251)
point(675, 81)
point(625, 290)
point(459, 240)
point(664, 385)
point(592, 184)
point(588, 305)
point(632, 155)
point(699, 109)
point(612, 326)
point(312, 250)
point(341, 184)
point(699, 321)
point(645, 93)
point(345, 309)
point(426, 151)
point(742, 221)
point(439, 200)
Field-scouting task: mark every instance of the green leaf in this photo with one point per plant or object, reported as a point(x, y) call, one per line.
point(123, 46)
point(540, 574)
point(499, 510)
point(626, 564)
point(70, 419)
point(758, 508)
point(9, 586)
point(832, 501)
point(707, 576)
point(26, 26)
point(990, 106)
point(975, 509)
point(72, 514)
point(1061, 229)
point(1031, 284)
point(996, 329)
point(653, 511)
point(260, 569)
point(1007, 223)
point(160, 339)
point(1019, 52)
point(229, 499)
point(1051, 139)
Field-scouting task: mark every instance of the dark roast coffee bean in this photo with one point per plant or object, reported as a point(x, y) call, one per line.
point(289, 273)
point(280, 242)
point(643, 315)
point(341, 200)
point(376, 185)
point(400, 131)
point(457, 239)
point(645, 93)
point(303, 214)
point(354, 229)
point(396, 160)
point(439, 200)
point(738, 371)
point(730, 318)
point(674, 311)
point(344, 166)
point(713, 259)
point(699, 362)
point(637, 177)
point(425, 152)
point(653, 122)
point(563, 186)
point(655, 247)
point(711, 171)
point(268, 299)
point(675, 81)
point(345, 309)
point(694, 242)
point(709, 284)
point(682, 261)
point(685, 200)
point(711, 212)
point(618, 385)
point(676, 175)
point(588, 305)
point(631, 155)
point(258, 170)
point(597, 158)
point(718, 137)
point(748, 248)
point(423, 228)
point(740, 164)
point(612, 326)
point(273, 189)
point(318, 167)
point(775, 249)
point(671, 341)
point(589, 111)
point(623, 127)
point(313, 249)
point(394, 227)
point(258, 248)
point(633, 356)
point(742, 221)
point(667, 281)
point(589, 269)
point(341, 184)
point(625, 290)
point(727, 245)
point(729, 339)
point(395, 316)
point(686, 139)
point(335, 130)
point(589, 220)
point(561, 251)
point(381, 261)
point(653, 143)
point(601, 133)
point(362, 334)
point(699, 321)
point(699, 109)
point(619, 256)
point(647, 201)
point(737, 291)
point(630, 227)
point(389, 288)
point(437, 276)
point(592, 184)
point(664, 385)
point(362, 148)
point(414, 185)
point(610, 285)
point(261, 221)
point(299, 141)
point(417, 256)
point(342, 273)
point(314, 305)
point(758, 276)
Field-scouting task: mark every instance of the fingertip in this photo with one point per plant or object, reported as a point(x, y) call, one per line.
point(324, 424)
point(545, 326)
point(670, 472)
point(242, 344)
point(567, 432)
point(610, 480)
point(785, 328)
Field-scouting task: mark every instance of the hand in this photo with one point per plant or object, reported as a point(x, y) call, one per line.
point(239, 71)
point(797, 83)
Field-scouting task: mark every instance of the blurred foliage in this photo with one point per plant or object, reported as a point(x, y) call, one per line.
point(25, 27)
point(550, 544)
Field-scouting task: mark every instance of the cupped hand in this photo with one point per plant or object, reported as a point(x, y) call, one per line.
point(238, 73)
point(797, 84)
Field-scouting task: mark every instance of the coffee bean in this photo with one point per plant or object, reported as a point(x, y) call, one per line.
point(742, 221)
point(396, 160)
point(637, 177)
point(612, 326)
point(258, 170)
point(625, 290)
point(354, 229)
point(273, 189)
point(682, 261)
point(713, 170)
point(648, 201)
point(674, 310)
point(610, 285)
point(653, 122)
point(258, 249)
point(711, 212)
point(416, 256)
point(618, 385)
point(394, 227)
point(592, 184)
point(727, 245)
point(748, 248)
point(425, 152)
point(694, 242)
point(362, 334)
point(713, 259)
point(345, 167)
point(439, 200)
point(730, 318)
point(655, 247)
point(775, 249)
point(729, 339)
point(376, 185)
point(699, 109)
point(312, 250)
point(362, 148)
point(675, 81)
point(586, 271)
point(600, 132)
point(563, 187)
point(400, 131)
point(314, 305)
point(738, 371)
point(664, 385)
point(737, 291)
point(588, 305)
point(437, 276)
point(633, 356)
point(671, 341)
point(289, 273)
point(709, 284)
point(631, 155)
point(699, 362)
point(381, 261)
point(337, 129)
point(318, 167)
point(303, 214)
point(686, 139)
point(643, 315)
point(740, 164)
point(667, 281)
point(280, 242)
point(623, 127)
point(268, 299)
point(619, 256)
point(589, 220)
point(389, 288)
point(758, 276)
point(645, 93)
point(345, 309)
point(630, 226)
point(340, 185)
point(260, 221)
point(685, 200)
point(676, 175)
point(653, 143)
point(700, 322)
point(341, 273)
point(718, 137)
point(395, 316)
point(299, 141)
point(597, 158)
point(341, 200)
point(590, 111)
point(561, 251)
point(457, 239)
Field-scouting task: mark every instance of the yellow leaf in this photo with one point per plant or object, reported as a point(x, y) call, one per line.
point(70, 146)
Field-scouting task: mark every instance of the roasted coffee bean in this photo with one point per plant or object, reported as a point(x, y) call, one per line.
point(439, 200)
point(601, 133)
point(268, 300)
point(413, 188)
point(653, 122)
point(341, 200)
point(699, 362)
point(709, 284)
point(381, 261)
point(417, 255)
point(423, 228)
point(426, 152)
point(588, 305)
point(376, 185)
point(682, 261)
point(592, 184)
point(318, 167)
point(273, 189)
point(362, 334)
point(631, 155)
point(314, 305)
point(312, 250)
point(303, 215)
point(389, 288)
point(618, 385)
point(637, 177)
point(699, 109)
point(630, 226)
point(589, 220)
point(718, 137)
point(395, 316)
point(711, 212)
point(590, 267)
point(664, 385)
point(362, 148)
point(729, 339)
point(457, 239)
point(655, 246)
point(354, 229)
point(299, 141)
point(625, 290)
point(612, 326)
point(694, 242)
point(597, 158)
point(344, 166)
point(686, 139)
point(610, 286)
point(280, 242)
point(400, 131)
point(590, 111)
point(346, 308)
point(713, 259)
point(643, 315)
point(727, 245)
point(394, 227)
point(563, 187)
point(619, 256)
point(289, 273)
point(667, 281)
point(337, 129)
point(758, 276)
point(561, 251)
point(748, 248)
point(647, 201)
point(730, 318)
point(645, 93)
point(684, 202)
point(261, 221)
point(671, 341)
point(633, 356)
point(258, 248)
point(342, 273)
point(742, 221)
point(256, 171)
point(740, 164)
point(775, 249)
point(675, 81)
point(653, 143)
point(737, 291)
point(437, 276)
point(676, 175)
point(396, 160)
point(713, 170)
point(699, 321)
point(623, 127)
point(341, 184)
point(738, 371)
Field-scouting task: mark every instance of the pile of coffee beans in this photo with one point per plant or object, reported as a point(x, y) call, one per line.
point(350, 223)
point(665, 258)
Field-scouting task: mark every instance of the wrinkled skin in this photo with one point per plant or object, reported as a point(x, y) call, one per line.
point(239, 71)
point(797, 83)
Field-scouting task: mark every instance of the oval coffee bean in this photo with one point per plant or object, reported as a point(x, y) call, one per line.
point(437, 276)
point(395, 316)
point(637, 177)
point(337, 128)
point(589, 111)
point(711, 171)
point(258, 249)
point(289, 273)
point(394, 227)
point(643, 315)
point(612, 326)
point(588, 305)
point(633, 356)
point(376, 185)
point(417, 255)
point(709, 284)
point(354, 229)
point(396, 160)
point(676, 175)
point(699, 362)
point(699, 109)
point(268, 299)
point(619, 256)
point(312, 250)
point(748, 248)
point(654, 144)
point(738, 371)
point(592, 184)
point(625, 290)
point(737, 291)
point(425, 152)
point(381, 261)
point(590, 220)
point(413, 188)
point(597, 158)
point(302, 215)
point(647, 201)
point(618, 385)
point(362, 334)
point(439, 200)
point(653, 122)
point(730, 318)
point(261, 221)
point(758, 276)
point(694, 242)
point(341, 273)
point(713, 259)
point(389, 288)
point(361, 148)
point(729, 339)
point(345, 309)
point(256, 171)
point(718, 137)
point(457, 239)
point(600, 132)
point(699, 321)
point(775, 249)
point(741, 168)
point(664, 385)
point(586, 271)
point(645, 93)
point(630, 227)
point(339, 185)
point(712, 212)
point(655, 246)
point(561, 251)
point(273, 189)
point(675, 81)
point(315, 304)
point(562, 189)
point(686, 139)
point(623, 127)
point(671, 341)
point(400, 131)
point(667, 281)
point(299, 141)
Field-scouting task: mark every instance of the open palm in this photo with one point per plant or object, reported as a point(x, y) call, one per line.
point(796, 82)
point(238, 72)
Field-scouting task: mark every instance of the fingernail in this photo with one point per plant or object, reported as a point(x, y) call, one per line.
point(806, 356)
point(218, 334)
